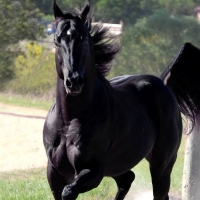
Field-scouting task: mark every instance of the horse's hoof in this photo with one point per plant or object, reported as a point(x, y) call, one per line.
point(68, 194)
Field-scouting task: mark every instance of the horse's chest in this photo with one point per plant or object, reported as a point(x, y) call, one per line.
point(76, 149)
point(78, 143)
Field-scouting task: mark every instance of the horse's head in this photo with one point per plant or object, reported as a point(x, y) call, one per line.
point(73, 54)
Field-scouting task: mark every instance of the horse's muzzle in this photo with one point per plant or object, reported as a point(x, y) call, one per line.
point(74, 84)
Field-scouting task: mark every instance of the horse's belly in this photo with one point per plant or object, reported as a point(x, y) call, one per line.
point(125, 156)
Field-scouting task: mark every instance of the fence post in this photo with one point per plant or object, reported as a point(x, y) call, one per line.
point(191, 172)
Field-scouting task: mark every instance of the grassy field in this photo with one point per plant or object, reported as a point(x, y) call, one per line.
point(25, 101)
point(32, 184)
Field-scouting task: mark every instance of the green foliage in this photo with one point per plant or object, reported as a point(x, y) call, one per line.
point(130, 10)
point(34, 71)
point(151, 44)
point(19, 20)
point(48, 18)
point(6, 71)
point(127, 10)
point(185, 7)
point(46, 6)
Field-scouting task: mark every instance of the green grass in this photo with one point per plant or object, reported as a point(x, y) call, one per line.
point(32, 184)
point(24, 185)
point(25, 101)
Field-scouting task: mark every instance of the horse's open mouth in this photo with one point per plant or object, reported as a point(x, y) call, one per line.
point(74, 92)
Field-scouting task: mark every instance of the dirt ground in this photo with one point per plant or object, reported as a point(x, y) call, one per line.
point(21, 144)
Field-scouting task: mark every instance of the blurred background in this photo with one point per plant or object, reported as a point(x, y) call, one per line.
point(151, 34)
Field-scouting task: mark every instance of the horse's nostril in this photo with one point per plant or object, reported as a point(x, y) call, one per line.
point(69, 83)
point(74, 82)
point(80, 81)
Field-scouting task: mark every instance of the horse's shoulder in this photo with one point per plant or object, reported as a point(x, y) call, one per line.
point(53, 119)
point(51, 111)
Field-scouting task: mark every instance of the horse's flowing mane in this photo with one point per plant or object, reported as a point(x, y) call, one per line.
point(105, 44)
point(105, 47)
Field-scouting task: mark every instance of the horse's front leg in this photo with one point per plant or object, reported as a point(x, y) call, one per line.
point(86, 180)
point(56, 182)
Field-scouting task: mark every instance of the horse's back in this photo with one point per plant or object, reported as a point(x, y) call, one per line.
point(147, 88)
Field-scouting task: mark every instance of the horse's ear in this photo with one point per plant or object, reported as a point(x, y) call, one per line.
point(85, 11)
point(57, 11)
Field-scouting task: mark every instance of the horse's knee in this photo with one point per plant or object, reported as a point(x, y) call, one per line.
point(86, 180)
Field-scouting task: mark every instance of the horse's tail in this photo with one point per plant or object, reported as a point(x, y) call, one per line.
point(183, 78)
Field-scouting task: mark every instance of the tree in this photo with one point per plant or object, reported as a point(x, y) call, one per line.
point(151, 44)
point(19, 20)
point(130, 10)
point(185, 7)
point(46, 6)
point(127, 10)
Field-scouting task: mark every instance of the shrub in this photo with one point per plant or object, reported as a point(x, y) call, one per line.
point(34, 71)
point(6, 70)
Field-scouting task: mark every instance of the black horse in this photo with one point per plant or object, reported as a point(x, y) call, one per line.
point(100, 128)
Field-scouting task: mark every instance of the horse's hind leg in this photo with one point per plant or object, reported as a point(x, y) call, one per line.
point(161, 180)
point(124, 182)
point(162, 159)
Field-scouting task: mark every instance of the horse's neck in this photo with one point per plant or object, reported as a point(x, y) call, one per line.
point(74, 106)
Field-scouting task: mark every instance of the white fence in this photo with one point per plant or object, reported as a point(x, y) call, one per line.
point(115, 29)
